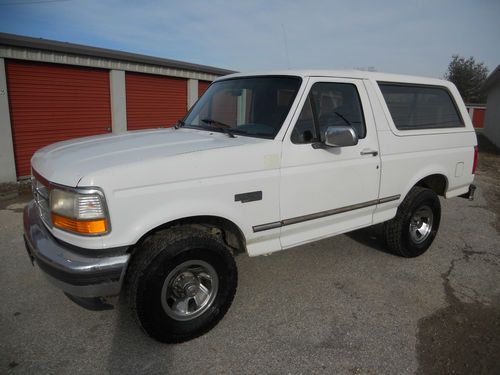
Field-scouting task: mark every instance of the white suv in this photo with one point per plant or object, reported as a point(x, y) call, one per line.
point(261, 163)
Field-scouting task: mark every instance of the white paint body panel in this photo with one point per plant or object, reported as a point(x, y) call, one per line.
point(312, 180)
point(154, 177)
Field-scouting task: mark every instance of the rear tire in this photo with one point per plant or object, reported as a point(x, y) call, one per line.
point(181, 283)
point(415, 226)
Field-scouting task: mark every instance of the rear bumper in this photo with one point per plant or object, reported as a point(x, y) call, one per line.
point(78, 272)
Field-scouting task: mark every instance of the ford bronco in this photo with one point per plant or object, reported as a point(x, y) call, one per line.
point(261, 163)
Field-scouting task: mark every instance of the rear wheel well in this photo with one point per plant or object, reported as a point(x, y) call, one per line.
point(438, 183)
point(225, 229)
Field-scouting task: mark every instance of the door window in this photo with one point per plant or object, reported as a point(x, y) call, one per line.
point(329, 104)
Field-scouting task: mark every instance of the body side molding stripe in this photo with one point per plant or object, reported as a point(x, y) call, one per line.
point(261, 227)
point(318, 215)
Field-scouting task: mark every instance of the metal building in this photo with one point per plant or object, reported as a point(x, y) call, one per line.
point(52, 91)
point(492, 118)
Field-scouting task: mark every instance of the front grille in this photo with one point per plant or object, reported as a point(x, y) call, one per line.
point(41, 196)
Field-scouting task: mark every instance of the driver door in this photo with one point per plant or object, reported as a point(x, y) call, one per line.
point(329, 190)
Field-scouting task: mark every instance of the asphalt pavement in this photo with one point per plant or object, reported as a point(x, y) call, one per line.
point(338, 306)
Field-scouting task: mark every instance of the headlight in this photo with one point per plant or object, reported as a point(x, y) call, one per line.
point(80, 211)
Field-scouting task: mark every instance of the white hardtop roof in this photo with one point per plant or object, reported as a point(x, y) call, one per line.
point(355, 74)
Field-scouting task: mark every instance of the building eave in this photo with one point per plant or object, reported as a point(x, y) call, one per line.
point(39, 44)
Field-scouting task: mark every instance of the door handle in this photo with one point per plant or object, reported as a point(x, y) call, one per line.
point(369, 152)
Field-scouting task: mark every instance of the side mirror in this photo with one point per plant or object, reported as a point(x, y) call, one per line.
point(340, 136)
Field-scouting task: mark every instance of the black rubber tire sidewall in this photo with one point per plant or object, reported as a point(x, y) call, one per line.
point(148, 305)
point(424, 198)
point(397, 235)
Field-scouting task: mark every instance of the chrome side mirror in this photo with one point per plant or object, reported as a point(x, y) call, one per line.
point(340, 136)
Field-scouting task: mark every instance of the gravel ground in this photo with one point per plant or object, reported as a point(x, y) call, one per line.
point(341, 305)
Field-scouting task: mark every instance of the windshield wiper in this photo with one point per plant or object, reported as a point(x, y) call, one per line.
point(179, 124)
point(220, 125)
point(215, 123)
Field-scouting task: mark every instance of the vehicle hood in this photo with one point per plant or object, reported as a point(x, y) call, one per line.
point(68, 162)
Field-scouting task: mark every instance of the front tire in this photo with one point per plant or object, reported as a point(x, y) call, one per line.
point(181, 283)
point(415, 226)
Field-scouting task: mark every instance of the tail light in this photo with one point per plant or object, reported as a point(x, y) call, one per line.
point(474, 165)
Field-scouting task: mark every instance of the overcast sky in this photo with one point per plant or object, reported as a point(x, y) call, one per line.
point(413, 37)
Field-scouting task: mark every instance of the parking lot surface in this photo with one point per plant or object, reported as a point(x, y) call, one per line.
point(341, 305)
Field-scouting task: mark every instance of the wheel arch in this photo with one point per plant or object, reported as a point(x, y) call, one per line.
point(231, 234)
point(436, 182)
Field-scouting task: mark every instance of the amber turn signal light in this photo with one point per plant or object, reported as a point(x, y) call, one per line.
point(80, 226)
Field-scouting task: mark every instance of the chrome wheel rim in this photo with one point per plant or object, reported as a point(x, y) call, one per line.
point(189, 290)
point(421, 224)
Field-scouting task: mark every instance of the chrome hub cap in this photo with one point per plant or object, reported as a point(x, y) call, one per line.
point(421, 224)
point(189, 290)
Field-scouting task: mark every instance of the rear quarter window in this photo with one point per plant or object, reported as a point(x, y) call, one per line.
point(414, 107)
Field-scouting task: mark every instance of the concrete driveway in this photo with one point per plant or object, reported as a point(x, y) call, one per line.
point(341, 305)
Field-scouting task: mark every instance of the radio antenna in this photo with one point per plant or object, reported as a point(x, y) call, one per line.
point(286, 47)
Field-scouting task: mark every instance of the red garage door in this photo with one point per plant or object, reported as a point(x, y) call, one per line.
point(202, 87)
point(154, 101)
point(51, 103)
point(478, 117)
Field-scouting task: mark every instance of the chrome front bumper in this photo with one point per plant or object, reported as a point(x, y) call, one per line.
point(78, 272)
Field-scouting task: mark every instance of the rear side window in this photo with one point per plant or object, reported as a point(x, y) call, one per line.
point(420, 107)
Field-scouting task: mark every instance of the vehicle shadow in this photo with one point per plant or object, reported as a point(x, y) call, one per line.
point(132, 351)
point(371, 236)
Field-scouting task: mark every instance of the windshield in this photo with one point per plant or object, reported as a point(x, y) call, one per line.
point(254, 106)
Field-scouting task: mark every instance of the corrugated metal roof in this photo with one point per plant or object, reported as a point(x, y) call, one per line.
point(19, 41)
